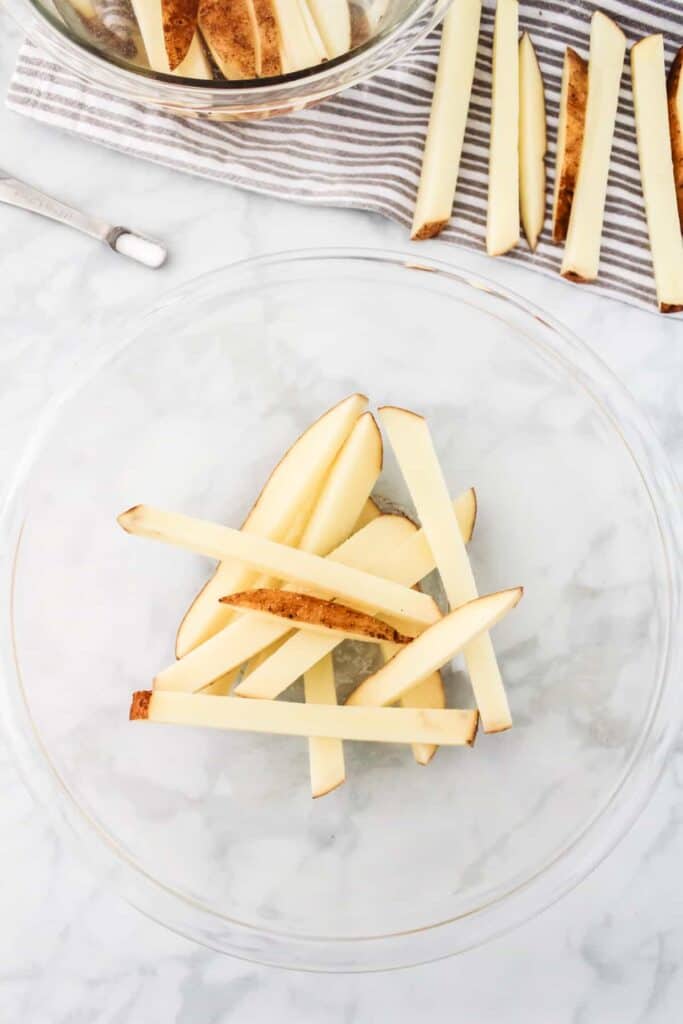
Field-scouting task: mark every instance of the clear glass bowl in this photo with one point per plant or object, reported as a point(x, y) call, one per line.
point(216, 835)
point(407, 22)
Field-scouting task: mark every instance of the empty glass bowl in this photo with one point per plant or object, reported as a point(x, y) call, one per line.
point(215, 834)
point(404, 24)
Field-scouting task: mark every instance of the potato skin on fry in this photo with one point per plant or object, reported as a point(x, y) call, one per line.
point(568, 162)
point(228, 27)
point(674, 90)
point(315, 611)
point(180, 24)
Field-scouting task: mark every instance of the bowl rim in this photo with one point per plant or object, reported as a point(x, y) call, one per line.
point(596, 838)
point(122, 74)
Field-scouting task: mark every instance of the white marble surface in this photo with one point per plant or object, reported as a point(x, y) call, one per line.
point(69, 952)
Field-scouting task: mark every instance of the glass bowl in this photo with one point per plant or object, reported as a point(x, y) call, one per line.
point(215, 834)
point(407, 22)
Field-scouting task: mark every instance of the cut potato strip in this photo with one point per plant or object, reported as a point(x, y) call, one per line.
point(570, 131)
point(229, 31)
point(448, 119)
point(333, 22)
point(434, 648)
point(222, 686)
point(268, 58)
point(429, 693)
point(346, 490)
point(179, 19)
point(247, 635)
point(284, 503)
point(407, 563)
point(412, 443)
point(452, 727)
point(301, 611)
point(325, 755)
point(330, 578)
point(502, 219)
point(299, 47)
point(656, 170)
point(370, 511)
point(150, 21)
point(532, 142)
point(581, 260)
point(675, 96)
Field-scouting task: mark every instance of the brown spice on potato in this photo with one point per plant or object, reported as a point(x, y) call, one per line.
point(270, 62)
point(228, 27)
point(180, 24)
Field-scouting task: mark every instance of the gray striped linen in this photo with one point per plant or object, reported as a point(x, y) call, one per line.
point(363, 148)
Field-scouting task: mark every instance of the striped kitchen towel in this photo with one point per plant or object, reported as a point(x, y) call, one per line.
point(363, 148)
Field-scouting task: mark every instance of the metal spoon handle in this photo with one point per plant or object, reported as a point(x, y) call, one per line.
point(129, 243)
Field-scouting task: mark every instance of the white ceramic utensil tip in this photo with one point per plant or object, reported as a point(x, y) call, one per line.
point(137, 247)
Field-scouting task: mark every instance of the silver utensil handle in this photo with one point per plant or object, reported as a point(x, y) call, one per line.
point(18, 193)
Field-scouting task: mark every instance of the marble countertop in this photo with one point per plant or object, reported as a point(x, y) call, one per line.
point(610, 952)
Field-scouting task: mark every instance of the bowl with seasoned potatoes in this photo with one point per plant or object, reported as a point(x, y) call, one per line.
point(226, 59)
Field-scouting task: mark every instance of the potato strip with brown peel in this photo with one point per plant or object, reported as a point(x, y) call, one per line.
point(248, 634)
point(180, 24)
point(434, 648)
point(409, 562)
point(675, 96)
point(229, 28)
point(453, 727)
point(569, 139)
point(323, 575)
point(306, 612)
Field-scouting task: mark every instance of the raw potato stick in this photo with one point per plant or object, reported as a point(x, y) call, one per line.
point(408, 563)
point(675, 96)
point(180, 24)
point(333, 21)
point(291, 488)
point(299, 47)
point(570, 131)
point(502, 219)
point(434, 648)
point(448, 119)
point(229, 31)
point(452, 727)
point(429, 693)
point(301, 611)
point(268, 58)
point(247, 635)
point(412, 443)
point(532, 142)
point(581, 260)
point(656, 170)
point(149, 17)
point(369, 593)
point(325, 755)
